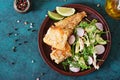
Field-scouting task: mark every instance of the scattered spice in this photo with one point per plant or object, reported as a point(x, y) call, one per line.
point(25, 42)
point(20, 44)
point(14, 49)
point(9, 34)
point(31, 26)
point(16, 40)
point(37, 79)
point(13, 63)
point(16, 34)
point(22, 4)
point(29, 29)
point(18, 21)
point(98, 5)
point(42, 74)
point(15, 29)
point(32, 61)
point(25, 22)
point(34, 30)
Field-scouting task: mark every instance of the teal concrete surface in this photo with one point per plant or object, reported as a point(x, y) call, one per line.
point(19, 55)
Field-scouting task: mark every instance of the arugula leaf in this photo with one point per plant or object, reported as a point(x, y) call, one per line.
point(90, 28)
point(91, 38)
point(86, 39)
point(100, 40)
point(93, 22)
point(83, 24)
point(91, 49)
point(82, 64)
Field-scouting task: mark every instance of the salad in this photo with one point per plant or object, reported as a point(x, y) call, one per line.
point(87, 44)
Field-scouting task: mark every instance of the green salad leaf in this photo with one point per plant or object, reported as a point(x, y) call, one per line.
point(84, 46)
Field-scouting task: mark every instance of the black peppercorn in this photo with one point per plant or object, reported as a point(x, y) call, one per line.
point(14, 49)
point(25, 41)
point(13, 63)
point(20, 44)
point(34, 30)
point(28, 29)
point(9, 34)
point(16, 40)
point(15, 29)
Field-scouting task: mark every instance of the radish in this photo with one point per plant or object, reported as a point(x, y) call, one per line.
point(71, 39)
point(80, 32)
point(99, 49)
point(90, 60)
point(74, 69)
point(99, 26)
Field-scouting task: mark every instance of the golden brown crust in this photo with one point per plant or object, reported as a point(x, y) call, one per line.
point(57, 36)
point(60, 55)
point(72, 21)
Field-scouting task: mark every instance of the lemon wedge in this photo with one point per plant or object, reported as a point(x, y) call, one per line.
point(65, 11)
point(54, 16)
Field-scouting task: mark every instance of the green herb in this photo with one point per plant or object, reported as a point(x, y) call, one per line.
point(65, 64)
point(93, 22)
point(100, 40)
point(82, 64)
point(83, 24)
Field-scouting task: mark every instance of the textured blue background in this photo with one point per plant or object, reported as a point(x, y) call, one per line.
point(18, 65)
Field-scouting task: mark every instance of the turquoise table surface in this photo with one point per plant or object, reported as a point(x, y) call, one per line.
point(19, 55)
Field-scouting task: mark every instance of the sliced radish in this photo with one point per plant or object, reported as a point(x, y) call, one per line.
point(80, 32)
point(100, 49)
point(74, 69)
point(90, 60)
point(99, 26)
point(71, 39)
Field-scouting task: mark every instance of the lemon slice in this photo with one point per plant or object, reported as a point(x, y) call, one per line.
point(65, 11)
point(54, 16)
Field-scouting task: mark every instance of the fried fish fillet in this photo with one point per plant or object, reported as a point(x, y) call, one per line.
point(57, 35)
point(60, 55)
point(72, 21)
